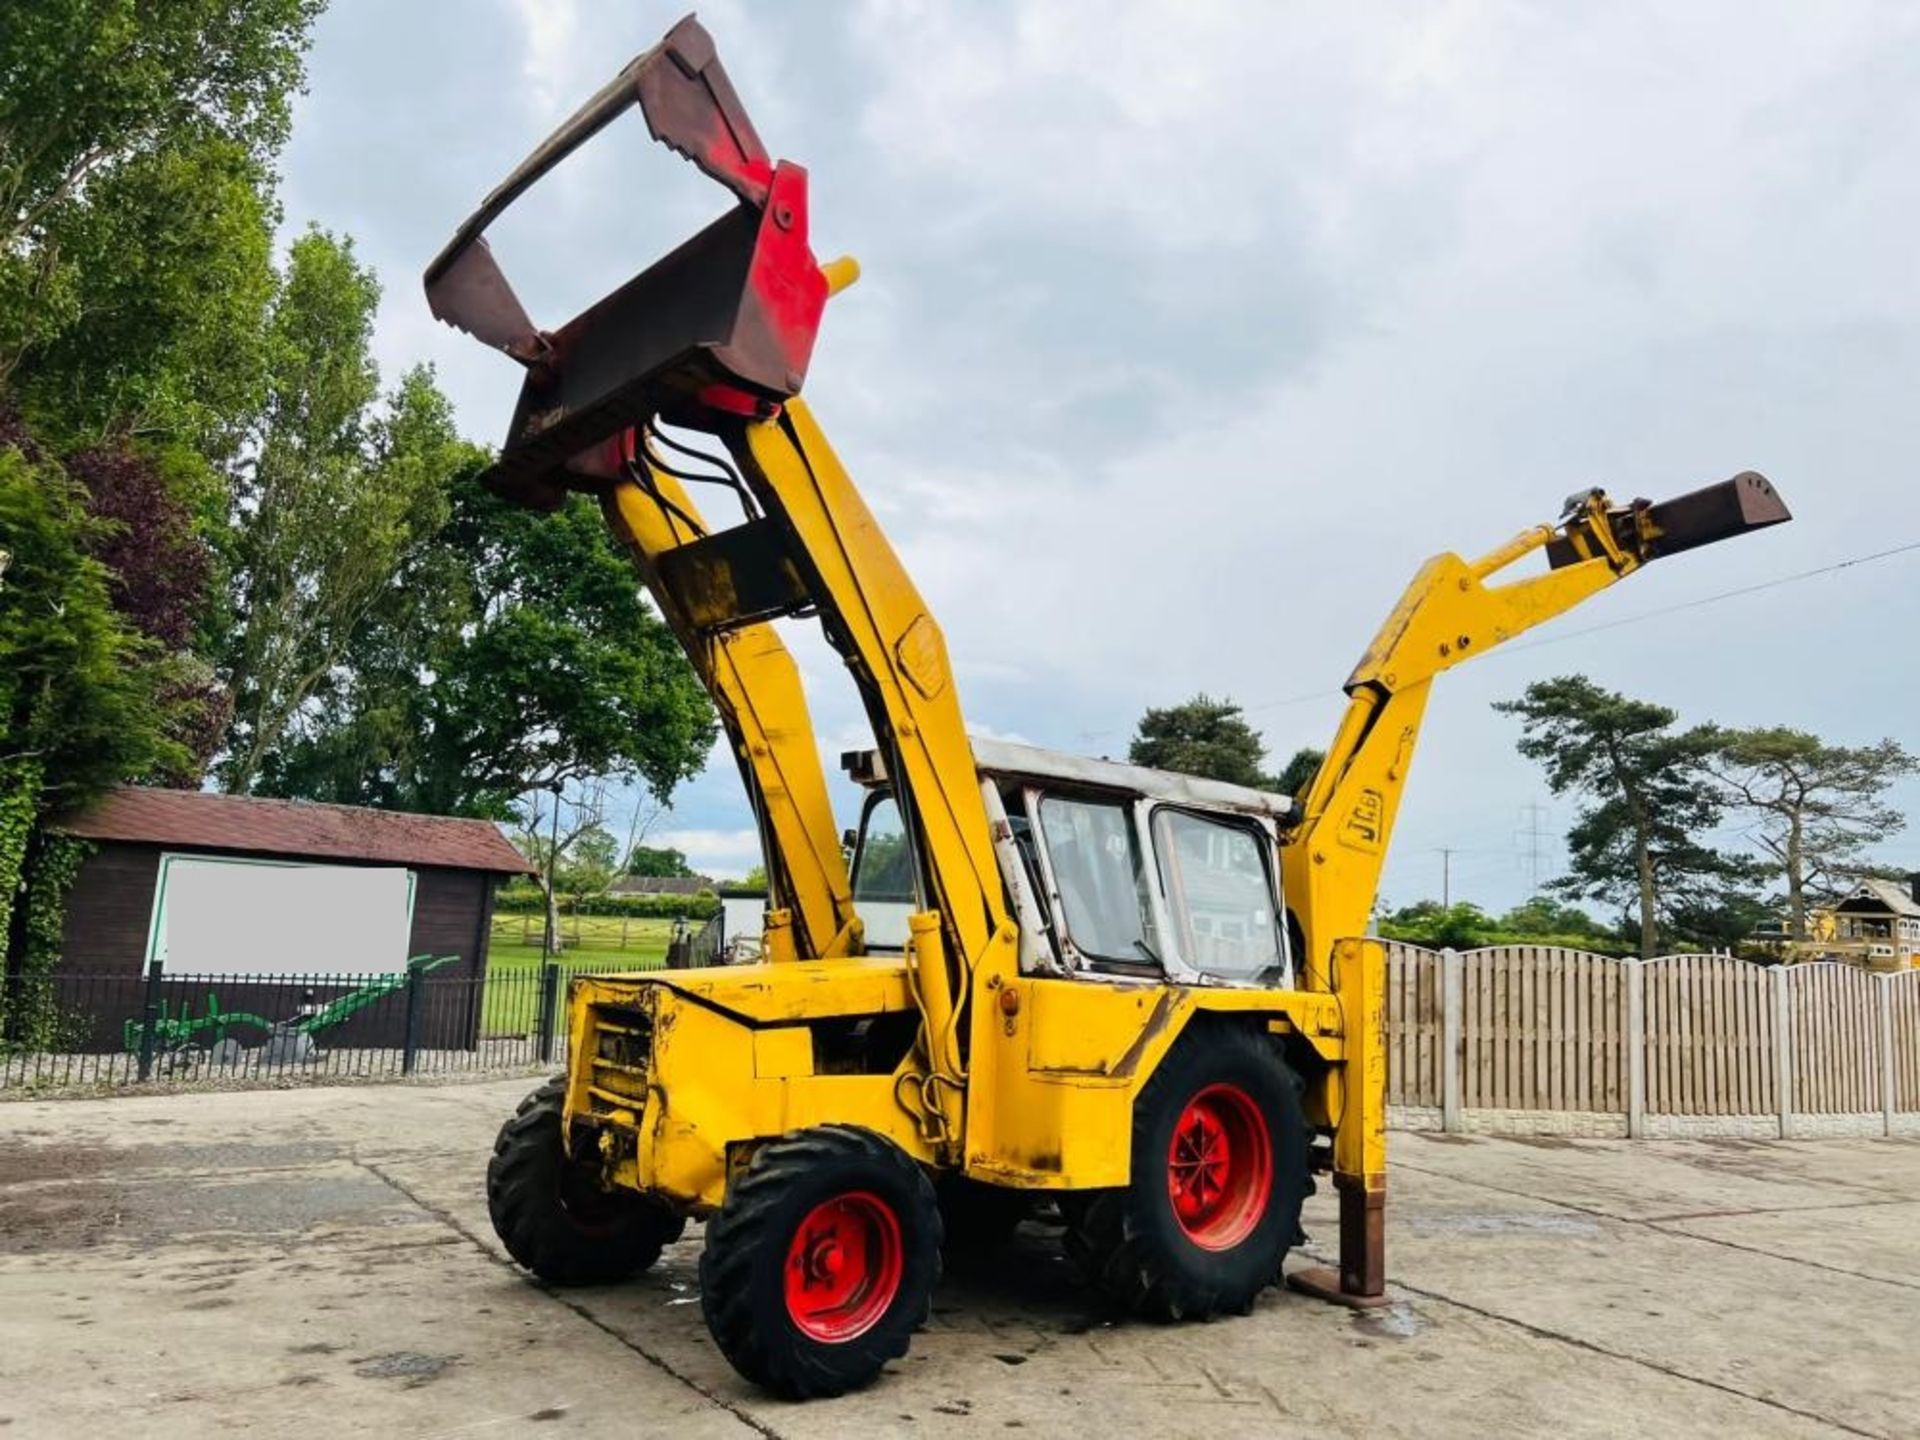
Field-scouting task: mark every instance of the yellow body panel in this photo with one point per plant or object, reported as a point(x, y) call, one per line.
point(728, 1062)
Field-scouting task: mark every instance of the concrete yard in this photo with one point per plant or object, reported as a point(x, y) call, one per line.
point(319, 1263)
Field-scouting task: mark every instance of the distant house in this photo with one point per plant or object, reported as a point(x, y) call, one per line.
point(1876, 925)
point(226, 885)
point(661, 885)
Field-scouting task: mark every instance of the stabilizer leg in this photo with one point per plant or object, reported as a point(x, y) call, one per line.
point(1360, 1136)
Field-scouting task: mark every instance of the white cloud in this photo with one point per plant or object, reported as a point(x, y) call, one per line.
point(726, 854)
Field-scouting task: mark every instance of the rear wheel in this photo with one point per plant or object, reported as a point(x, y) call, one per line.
point(552, 1214)
point(1220, 1168)
point(821, 1262)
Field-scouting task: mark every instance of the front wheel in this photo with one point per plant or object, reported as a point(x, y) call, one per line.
point(1220, 1169)
point(821, 1262)
point(552, 1214)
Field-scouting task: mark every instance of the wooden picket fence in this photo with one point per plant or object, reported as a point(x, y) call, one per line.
point(1680, 1044)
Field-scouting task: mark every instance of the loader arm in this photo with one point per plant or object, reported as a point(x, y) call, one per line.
point(755, 687)
point(716, 338)
point(721, 328)
point(1452, 611)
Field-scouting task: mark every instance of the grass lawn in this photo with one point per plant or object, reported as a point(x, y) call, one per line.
point(516, 939)
point(511, 1005)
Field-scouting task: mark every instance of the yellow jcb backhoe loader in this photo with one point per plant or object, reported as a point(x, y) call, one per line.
point(1144, 998)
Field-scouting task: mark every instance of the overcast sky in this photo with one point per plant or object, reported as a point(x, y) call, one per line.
point(1187, 332)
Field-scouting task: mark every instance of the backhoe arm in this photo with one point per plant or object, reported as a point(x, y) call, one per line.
point(1454, 610)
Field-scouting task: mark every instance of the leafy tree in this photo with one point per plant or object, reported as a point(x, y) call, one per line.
point(755, 878)
point(657, 861)
point(1299, 770)
point(591, 864)
point(78, 707)
point(1543, 915)
point(123, 125)
point(1634, 843)
point(1462, 925)
point(1819, 806)
point(160, 572)
point(512, 651)
point(335, 494)
point(167, 274)
point(1203, 736)
point(80, 710)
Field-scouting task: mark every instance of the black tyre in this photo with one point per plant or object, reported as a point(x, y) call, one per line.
point(978, 1218)
point(554, 1217)
point(1220, 1168)
point(822, 1261)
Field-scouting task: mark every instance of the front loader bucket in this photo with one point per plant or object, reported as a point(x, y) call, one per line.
point(724, 323)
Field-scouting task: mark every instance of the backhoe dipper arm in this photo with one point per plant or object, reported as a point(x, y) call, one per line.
point(1454, 610)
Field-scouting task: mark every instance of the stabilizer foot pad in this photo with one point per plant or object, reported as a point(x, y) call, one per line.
point(1323, 1283)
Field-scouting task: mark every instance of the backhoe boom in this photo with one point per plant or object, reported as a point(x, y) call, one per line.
point(1453, 611)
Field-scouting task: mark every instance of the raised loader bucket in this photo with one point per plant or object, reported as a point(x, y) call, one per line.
point(724, 323)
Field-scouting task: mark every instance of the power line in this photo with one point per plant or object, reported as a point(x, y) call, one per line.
point(1712, 599)
point(1642, 616)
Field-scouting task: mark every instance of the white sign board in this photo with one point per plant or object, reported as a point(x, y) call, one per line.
point(248, 917)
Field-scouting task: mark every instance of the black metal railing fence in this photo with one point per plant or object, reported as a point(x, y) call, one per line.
point(61, 1031)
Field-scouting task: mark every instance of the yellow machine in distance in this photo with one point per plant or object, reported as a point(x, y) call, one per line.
point(1139, 998)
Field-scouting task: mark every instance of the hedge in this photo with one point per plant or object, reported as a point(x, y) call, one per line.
point(526, 900)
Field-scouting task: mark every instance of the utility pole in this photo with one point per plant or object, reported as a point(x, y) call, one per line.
point(1533, 834)
point(1446, 878)
point(550, 939)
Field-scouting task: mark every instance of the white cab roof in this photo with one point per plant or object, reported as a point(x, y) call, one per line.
point(1005, 759)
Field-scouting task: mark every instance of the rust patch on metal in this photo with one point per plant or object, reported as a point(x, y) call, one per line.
point(1156, 1025)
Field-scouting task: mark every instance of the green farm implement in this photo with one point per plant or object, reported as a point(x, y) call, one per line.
point(183, 1036)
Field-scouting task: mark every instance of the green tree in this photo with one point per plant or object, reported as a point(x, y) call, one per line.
point(755, 878)
point(1635, 843)
point(1298, 772)
point(657, 861)
point(511, 652)
point(167, 275)
point(591, 863)
point(81, 712)
point(1543, 915)
point(115, 111)
point(1462, 925)
point(1818, 805)
point(1203, 736)
point(335, 493)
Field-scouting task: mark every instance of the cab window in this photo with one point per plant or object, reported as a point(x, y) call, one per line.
point(1220, 894)
point(1101, 879)
point(883, 876)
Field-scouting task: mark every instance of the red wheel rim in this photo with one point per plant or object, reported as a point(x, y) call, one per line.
point(1220, 1167)
point(843, 1267)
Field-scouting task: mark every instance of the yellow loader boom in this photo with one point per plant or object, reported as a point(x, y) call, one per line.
point(1141, 996)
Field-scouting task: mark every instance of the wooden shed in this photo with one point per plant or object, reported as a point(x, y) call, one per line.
point(225, 885)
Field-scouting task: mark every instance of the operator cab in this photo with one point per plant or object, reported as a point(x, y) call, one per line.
point(1113, 871)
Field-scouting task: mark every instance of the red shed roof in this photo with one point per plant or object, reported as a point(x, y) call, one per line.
point(195, 819)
